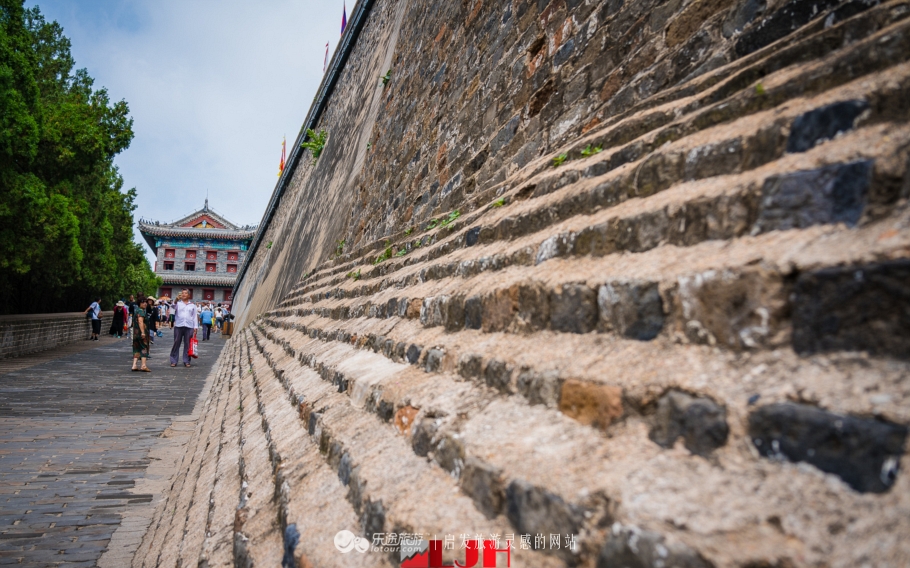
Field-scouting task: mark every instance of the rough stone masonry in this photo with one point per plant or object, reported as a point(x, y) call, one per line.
point(633, 275)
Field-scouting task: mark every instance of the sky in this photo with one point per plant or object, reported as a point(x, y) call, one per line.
point(212, 87)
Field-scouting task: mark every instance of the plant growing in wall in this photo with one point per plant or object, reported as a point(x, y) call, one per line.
point(339, 247)
point(591, 150)
point(558, 160)
point(450, 219)
point(354, 275)
point(499, 202)
point(386, 78)
point(386, 254)
point(315, 142)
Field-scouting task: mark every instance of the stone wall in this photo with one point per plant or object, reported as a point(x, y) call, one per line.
point(631, 272)
point(23, 334)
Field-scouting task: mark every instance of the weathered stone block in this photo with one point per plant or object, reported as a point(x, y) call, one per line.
point(854, 308)
point(714, 159)
point(372, 518)
point(531, 307)
point(496, 311)
point(591, 404)
point(631, 309)
point(422, 436)
point(539, 387)
point(865, 453)
point(573, 308)
point(473, 312)
point(823, 124)
point(450, 454)
point(498, 375)
point(832, 194)
point(780, 23)
point(472, 236)
point(739, 310)
point(631, 547)
point(534, 510)
point(701, 423)
point(434, 360)
point(483, 483)
point(453, 313)
point(404, 418)
point(413, 354)
point(741, 16)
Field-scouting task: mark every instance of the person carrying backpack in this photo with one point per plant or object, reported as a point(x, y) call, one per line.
point(219, 317)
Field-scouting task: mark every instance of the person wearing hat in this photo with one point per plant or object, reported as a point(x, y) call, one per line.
point(118, 320)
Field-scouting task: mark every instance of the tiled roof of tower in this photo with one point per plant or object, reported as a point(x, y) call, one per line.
point(188, 279)
point(214, 226)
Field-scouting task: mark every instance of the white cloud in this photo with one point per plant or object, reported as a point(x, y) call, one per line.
point(212, 87)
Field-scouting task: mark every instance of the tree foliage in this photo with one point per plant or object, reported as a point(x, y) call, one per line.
point(66, 224)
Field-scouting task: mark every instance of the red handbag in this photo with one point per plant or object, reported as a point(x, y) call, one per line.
point(194, 348)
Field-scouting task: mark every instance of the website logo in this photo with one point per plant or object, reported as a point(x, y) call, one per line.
point(346, 541)
point(429, 555)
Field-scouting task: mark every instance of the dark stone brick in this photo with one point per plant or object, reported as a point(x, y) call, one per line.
point(630, 547)
point(563, 53)
point(533, 510)
point(291, 539)
point(701, 423)
point(483, 483)
point(854, 308)
point(497, 375)
point(470, 365)
point(781, 23)
point(832, 194)
point(385, 410)
point(631, 309)
point(472, 236)
point(372, 518)
point(823, 123)
point(413, 354)
point(344, 468)
point(450, 455)
point(313, 422)
point(422, 436)
point(391, 308)
point(865, 453)
point(505, 135)
point(473, 312)
point(453, 313)
point(573, 309)
point(434, 359)
point(742, 16)
point(539, 387)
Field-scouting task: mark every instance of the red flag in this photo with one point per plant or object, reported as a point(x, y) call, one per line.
point(325, 64)
point(344, 17)
point(283, 148)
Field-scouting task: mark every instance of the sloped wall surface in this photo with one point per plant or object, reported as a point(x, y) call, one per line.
point(633, 274)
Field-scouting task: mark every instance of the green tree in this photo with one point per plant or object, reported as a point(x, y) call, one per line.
point(65, 222)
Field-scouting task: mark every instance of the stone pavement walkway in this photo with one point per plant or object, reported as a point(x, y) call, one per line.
point(85, 448)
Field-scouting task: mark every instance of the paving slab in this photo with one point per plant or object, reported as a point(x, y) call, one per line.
point(86, 447)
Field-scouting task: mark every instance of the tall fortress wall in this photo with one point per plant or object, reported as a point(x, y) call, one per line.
point(635, 274)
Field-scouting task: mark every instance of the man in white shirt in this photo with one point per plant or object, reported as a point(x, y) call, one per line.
point(186, 322)
point(96, 318)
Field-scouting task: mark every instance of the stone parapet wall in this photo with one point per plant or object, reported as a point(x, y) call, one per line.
point(23, 334)
point(634, 273)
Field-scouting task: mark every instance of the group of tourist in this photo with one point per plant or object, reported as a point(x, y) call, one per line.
point(139, 321)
